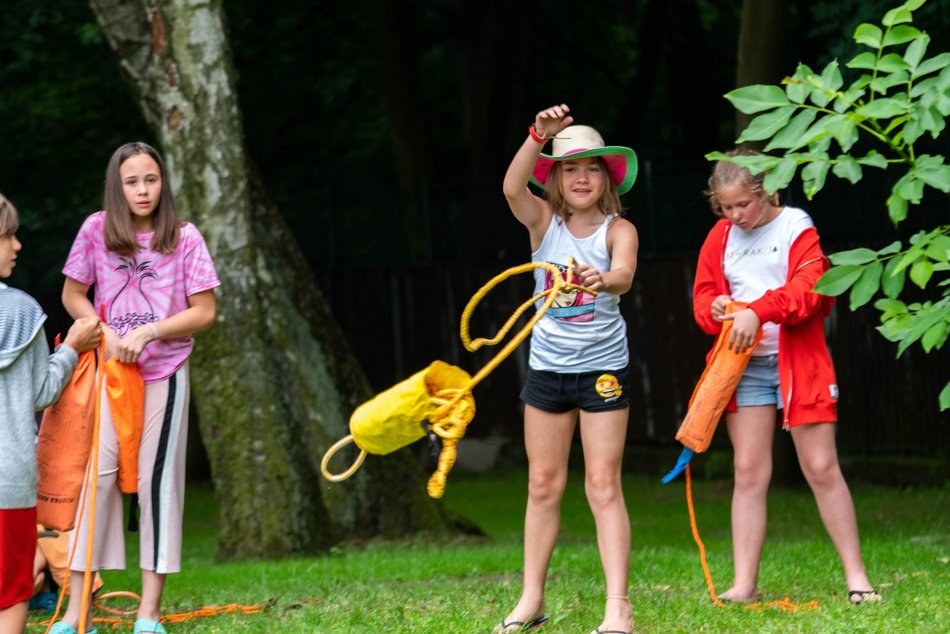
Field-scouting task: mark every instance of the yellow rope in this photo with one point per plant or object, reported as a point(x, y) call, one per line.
point(455, 407)
point(452, 417)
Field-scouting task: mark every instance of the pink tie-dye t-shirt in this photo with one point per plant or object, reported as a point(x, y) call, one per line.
point(143, 288)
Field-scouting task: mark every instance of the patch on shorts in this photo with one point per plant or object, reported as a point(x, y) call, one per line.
point(833, 389)
point(608, 387)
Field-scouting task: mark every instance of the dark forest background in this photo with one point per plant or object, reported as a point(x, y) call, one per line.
point(382, 131)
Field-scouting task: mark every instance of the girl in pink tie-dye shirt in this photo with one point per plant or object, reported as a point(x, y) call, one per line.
point(154, 277)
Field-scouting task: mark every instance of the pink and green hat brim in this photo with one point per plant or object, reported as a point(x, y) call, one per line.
point(621, 165)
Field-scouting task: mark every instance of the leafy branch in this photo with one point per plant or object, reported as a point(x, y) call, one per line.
point(898, 98)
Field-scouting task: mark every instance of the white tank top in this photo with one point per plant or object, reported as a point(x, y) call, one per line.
point(579, 333)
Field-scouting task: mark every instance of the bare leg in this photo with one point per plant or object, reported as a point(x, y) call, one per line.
point(13, 618)
point(603, 435)
point(818, 457)
point(75, 602)
point(547, 439)
point(751, 430)
point(153, 584)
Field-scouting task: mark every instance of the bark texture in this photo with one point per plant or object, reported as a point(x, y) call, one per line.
point(761, 47)
point(274, 381)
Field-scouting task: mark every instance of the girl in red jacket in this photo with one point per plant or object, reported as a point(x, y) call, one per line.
point(768, 256)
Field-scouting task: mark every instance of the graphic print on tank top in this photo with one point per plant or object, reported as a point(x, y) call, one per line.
point(133, 293)
point(573, 305)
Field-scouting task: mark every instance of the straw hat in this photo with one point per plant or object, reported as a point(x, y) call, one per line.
point(580, 141)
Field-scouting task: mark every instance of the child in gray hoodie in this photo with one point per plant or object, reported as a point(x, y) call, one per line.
point(30, 379)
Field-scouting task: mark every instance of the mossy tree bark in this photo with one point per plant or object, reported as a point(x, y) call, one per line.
point(274, 381)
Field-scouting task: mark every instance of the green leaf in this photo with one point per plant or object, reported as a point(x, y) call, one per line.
point(899, 35)
point(896, 16)
point(910, 187)
point(945, 397)
point(934, 337)
point(896, 207)
point(765, 125)
point(854, 256)
point(813, 176)
point(757, 98)
point(831, 76)
point(893, 247)
point(846, 99)
point(781, 176)
point(892, 280)
point(867, 285)
point(939, 249)
point(847, 168)
point(932, 171)
point(796, 86)
point(932, 65)
point(844, 129)
point(921, 271)
point(885, 82)
point(890, 308)
point(838, 279)
point(884, 108)
point(864, 60)
point(921, 323)
point(793, 135)
point(915, 52)
point(873, 159)
point(869, 35)
point(892, 62)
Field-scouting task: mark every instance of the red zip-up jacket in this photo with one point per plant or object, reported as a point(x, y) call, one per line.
point(806, 372)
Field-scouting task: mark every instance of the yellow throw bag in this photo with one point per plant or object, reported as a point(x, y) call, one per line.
point(398, 417)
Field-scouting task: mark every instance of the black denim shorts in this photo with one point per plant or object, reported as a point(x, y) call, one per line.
point(589, 391)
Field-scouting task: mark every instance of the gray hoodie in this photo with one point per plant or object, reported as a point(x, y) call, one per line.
point(30, 379)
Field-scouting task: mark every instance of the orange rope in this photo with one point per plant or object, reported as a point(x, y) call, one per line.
point(785, 604)
point(698, 540)
point(204, 612)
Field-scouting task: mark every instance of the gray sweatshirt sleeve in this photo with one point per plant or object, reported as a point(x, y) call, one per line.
point(51, 372)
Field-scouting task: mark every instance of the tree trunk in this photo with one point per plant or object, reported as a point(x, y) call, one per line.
point(274, 382)
point(761, 45)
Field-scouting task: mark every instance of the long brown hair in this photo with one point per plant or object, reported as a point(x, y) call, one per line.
point(728, 174)
point(608, 203)
point(119, 230)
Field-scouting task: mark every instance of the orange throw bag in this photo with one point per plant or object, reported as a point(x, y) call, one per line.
point(125, 393)
point(712, 393)
point(63, 447)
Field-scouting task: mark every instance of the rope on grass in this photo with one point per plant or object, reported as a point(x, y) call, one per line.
point(119, 621)
point(784, 604)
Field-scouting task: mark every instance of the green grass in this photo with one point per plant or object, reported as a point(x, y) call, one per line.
point(467, 585)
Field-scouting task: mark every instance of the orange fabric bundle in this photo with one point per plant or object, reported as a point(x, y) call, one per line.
point(125, 393)
point(714, 389)
point(63, 447)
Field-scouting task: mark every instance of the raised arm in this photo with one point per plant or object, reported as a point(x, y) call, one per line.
point(530, 210)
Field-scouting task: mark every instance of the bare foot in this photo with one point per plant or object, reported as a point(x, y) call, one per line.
point(735, 596)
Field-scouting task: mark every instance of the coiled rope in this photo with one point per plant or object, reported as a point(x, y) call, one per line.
point(455, 408)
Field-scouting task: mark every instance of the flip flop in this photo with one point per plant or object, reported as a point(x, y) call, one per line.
point(857, 597)
point(524, 626)
point(62, 627)
point(144, 626)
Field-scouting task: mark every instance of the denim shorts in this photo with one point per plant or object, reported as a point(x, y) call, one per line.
point(554, 392)
point(759, 383)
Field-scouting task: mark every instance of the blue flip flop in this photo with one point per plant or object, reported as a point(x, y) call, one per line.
point(62, 627)
point(148, 626)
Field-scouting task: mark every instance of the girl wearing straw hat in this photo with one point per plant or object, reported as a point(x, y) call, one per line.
point(579, 354)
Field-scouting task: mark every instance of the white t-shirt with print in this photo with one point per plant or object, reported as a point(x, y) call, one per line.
point(756, 261)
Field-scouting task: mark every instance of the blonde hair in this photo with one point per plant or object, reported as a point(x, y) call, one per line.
point(729, 174)
point(608, 202)
point(9, 218)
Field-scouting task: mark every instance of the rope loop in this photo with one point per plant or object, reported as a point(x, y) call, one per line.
point(332, 451)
